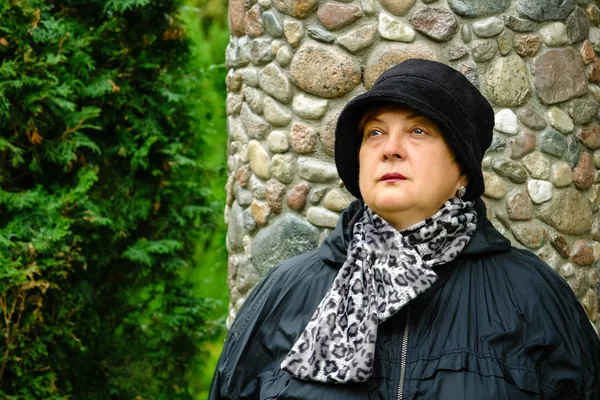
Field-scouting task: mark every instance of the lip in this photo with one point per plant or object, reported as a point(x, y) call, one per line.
point(392, 176)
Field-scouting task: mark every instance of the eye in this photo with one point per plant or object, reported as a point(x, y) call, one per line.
point(419, 131)
point(373, 132)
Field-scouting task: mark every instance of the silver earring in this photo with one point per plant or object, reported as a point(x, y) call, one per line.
point(460, 193)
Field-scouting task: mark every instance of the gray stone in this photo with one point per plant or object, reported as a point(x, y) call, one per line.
point(359, 38)
point(284, 56)
point(478, 8)
point(456, 51)
point(254, 98)
point(578, 26)
point(266, 4)
point(498, 143)
point(386, 55)
point(540, 191)
point(397, 7)
point(237, 55)
point(320, 35)
point(327, 133)
point(250, 76)
point(573, 151)
point(316, 171)
point(284, 238)
point(557, 77)
point(595, 90)
point(394, 29)
point(234, 103)
point(335, 16)
point(596, 158)
point(505, 121)
point(273, 80)
point(596, 227)
point(317, 194)
point(559, 120)
point(554, 34)
point(324, 71)
point(336, 200)
point(277, 142)
point(569, 212)
point(236, 230)
point(293, 31)
point(304, 138)
point(249, 222)
point(593, 12)
point(506, 81)
point(233, 80)
point(531, 119)
point(505, 41)
point(517, 24)
point(369, 7)
point(260, 51)
point(296, 8)
point(465, 33)
point(553, 143)
point(545, 10)
point(273, 24)
point(469, 70)
point(275, 113)
point(244, 197)
point(522, 144)
point(309, 107)
point(488, 27)
point(236, 130)
point(583, 110)
point(483, 50)
point(590, 136)
point(495, 188)
point(256, 126)
point(510, 169)
point(259, 160)
point(561, 174)
point(594, 37)
point(537, 165)
point(531, 235)
point(435, 22)
point(320, 216)
point(283, 167)
point(518, 205)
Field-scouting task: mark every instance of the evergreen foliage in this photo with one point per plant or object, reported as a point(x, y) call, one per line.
point(101, 201)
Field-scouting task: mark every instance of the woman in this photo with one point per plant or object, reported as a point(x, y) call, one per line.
point(414, 295)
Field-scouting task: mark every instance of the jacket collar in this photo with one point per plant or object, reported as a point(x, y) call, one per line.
point(486, 239)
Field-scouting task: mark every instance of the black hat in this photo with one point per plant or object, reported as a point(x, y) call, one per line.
point(435, 91)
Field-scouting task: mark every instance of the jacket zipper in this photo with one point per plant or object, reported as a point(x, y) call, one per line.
point(403, 357)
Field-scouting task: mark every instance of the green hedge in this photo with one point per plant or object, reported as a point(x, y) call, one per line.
point(100, 201)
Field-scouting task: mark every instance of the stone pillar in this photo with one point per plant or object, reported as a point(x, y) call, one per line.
point(293, 64)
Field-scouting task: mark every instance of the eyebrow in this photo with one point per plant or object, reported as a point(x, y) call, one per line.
point(412, 115)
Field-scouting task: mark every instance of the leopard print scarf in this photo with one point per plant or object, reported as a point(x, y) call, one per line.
point(384, 270)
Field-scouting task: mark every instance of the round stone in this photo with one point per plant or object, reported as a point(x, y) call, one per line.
point(527, 45)
point(261, 51)
point(320, 34)
point(369, 7)
point(284, 56)
point(557, 77)
point(590, 136)
point(539, 191)
point(260, 164)
point(359, 38)
point(296, 199)
point(284, 238)
point(237, 13)
point(385, 56)
point(506, 82)
point(304, 138)
point(296, 8)
point(587, 52)
point(253, 23)
point(275, 113)
point(274, 192)
point(255, 126)
point(244, 197)
point(283, 167)
point(530, 119)
point(277, 142)
point(483, 50)
point(545, 10)
point(250, 76)
point(488, 27)
point(234, 103)
point(335, 16)
point(327, 133)
point(522, 144)
point(554, 34)
point(578, 26)
point(559, 243)
point(316, 171)
point(518, 205)
point(397, 7)
point(583, 110)
point(254, 98)
point(583, 173)
point(478, 8)
point(531, 235)
point(394, 29)
point(309, 107)
point(505, 121)
point(316, 195)
point(561, 174)
point(494, 186)
point(583, 253)
point(293, 31)
point(537, 165)
point(249, 222)
point(260, 212)
point(596, 158)
point(273, 80)
point(336, 200)
point(466, 34)
point(573, 151)
point(517, 24)
point(505, 42)
point(553, 143)
point(510, 169)
point(324, 71)
point(235, 229)
point(560, 120)
point(436, 23)
point(456, 51)
point(320, 216)
point(568, 211)
point(242, 175)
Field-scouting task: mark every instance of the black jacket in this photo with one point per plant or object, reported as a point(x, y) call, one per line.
point(498, 324)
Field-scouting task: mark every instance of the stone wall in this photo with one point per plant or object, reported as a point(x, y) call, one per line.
point(293, 64)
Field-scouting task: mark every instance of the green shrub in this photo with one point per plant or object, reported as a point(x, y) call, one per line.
point(101, 201)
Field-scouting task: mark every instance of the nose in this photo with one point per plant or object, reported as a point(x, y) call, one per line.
point(394, 147)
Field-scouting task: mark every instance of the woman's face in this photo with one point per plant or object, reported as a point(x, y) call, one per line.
point(407, 171)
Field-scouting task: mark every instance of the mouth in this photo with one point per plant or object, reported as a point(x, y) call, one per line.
point(392, 177)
